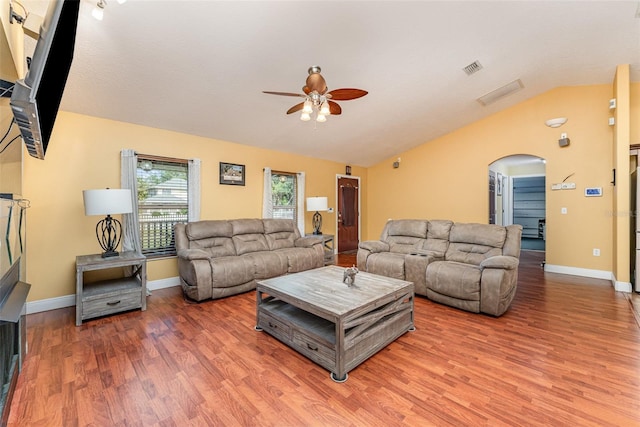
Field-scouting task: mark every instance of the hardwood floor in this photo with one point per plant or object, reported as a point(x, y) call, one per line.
point(566, 353)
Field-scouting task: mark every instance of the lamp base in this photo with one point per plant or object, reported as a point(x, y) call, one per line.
point(317, 223)
point(109, 233)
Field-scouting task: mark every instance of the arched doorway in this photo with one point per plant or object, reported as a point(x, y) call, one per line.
point(517, 195)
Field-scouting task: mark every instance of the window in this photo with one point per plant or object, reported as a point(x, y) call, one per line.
point(284, 195)
point(163, 201)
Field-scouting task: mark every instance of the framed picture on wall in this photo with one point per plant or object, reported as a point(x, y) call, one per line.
point(231, 174)
point(499, 184)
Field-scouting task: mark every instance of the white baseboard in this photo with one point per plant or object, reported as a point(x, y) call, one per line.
point(51, 304)
point(575, 271)
point(169, 282)
point(70, 300)
point(623, 286)
point(586, 272)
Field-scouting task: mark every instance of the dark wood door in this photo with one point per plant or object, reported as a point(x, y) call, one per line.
point(348, 214)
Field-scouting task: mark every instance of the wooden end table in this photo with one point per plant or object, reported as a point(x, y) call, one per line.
point(110, 296)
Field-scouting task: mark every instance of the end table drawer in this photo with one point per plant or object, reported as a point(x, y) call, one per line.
point(109, 304)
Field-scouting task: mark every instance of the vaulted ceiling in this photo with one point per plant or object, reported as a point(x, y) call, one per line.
point(199, 67)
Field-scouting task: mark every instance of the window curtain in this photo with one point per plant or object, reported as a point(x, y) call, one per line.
point(194, 190)
point(130, 223)
point(267, 197)
point(300, 202)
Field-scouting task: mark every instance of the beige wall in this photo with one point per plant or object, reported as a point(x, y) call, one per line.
point(443, 178)
point(84, 153)
point(447, 177)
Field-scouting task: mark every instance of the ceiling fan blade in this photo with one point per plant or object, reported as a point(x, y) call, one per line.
point(316, 82)
point(295, 108)
point(283, 93)
point(347, 94)
point(334, 108)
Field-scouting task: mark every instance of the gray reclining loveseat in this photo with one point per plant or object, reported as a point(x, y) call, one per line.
point(473, 267)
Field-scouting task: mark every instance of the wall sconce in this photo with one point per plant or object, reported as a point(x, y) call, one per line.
point(347, 170)
point(107, 202)
point(396, 164)
point(556, 123)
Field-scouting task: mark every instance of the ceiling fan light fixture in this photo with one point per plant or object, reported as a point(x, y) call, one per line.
point(305, 117)
point(98, 10)
point(308, 107)
point(324, 109)
point(321, 118)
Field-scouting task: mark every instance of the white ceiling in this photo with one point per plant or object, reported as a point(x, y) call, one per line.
point(199, 67)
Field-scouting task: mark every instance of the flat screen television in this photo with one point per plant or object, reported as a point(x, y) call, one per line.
point(36, 98)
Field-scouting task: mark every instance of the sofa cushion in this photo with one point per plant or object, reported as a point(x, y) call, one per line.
point(214, 237)
point(280, 233)
point(231, 271)
point(275, 225)
point(454, 279)
point(248, 236)
point(247, 243)
point(407, 227)
point(438, 237)
point(247, 226)
point(299, 259)
point(208, 228)
point(266, 264)
point(386, 264)
point(473, 243)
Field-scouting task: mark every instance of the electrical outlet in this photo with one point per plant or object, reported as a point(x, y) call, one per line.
point(563, 211)
point(596, 252)
point(568, 185)
point(556, 186)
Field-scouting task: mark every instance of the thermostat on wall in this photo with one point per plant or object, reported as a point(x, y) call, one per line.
point(593, 191)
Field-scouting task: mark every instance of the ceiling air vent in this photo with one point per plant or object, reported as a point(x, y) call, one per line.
point(474, 67)
point(501, 92)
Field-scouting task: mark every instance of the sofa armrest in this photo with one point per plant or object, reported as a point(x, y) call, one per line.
point(307, 241)
point(192, 254)
point(374, 246)
point(500, 261)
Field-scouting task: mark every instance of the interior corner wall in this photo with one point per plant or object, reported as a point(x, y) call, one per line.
point(621, 195)
point(84, 153)
point(446, 178)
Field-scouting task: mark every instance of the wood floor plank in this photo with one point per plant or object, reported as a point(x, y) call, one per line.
point(566, 353)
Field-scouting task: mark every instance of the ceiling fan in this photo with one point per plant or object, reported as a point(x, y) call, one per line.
point(318, 99)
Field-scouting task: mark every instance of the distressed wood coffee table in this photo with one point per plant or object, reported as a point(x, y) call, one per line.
point(335, 325)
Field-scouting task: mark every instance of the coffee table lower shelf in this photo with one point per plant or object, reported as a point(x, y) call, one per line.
point(338, 345)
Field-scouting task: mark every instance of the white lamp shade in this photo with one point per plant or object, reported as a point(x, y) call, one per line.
point(107, 201)
point(317, 204)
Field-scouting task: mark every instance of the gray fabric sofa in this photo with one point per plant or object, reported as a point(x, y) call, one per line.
point(473, 267)
point(219, 258)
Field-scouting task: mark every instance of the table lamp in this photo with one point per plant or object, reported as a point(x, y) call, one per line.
point(317, 204)
point(108, 202)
